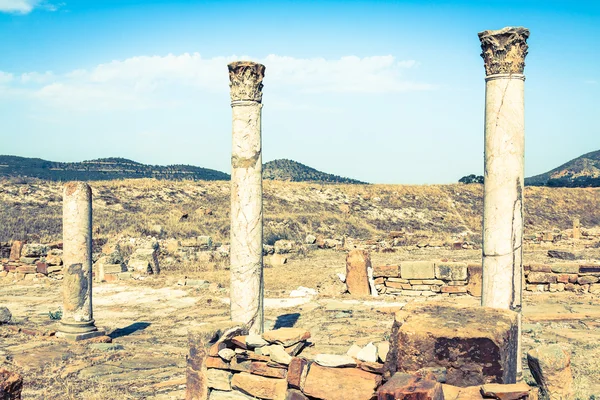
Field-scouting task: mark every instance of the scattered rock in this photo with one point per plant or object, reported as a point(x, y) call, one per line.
point(5, 315)
point(279, 355)
point(106, 346)
point(286, 336)
point(382, 350)
point(310, 239)
point(226, 354)
point(11, 385)
point(333, 360)
point(515, 391)
point(353, 351)
point(561, 255)
point(368, 353)
point(407, 386)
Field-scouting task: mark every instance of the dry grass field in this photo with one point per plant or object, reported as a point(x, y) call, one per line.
point(31, 210)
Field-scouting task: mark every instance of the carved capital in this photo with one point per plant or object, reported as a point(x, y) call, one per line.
point(245, 80)
point(504, 50)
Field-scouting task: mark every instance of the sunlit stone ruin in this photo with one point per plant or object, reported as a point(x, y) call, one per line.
point(435, 350)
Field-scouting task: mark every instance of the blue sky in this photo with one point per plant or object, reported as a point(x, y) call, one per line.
point(385, 92)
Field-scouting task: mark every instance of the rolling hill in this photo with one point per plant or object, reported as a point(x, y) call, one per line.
point(120, 168)
point(292, 171)
point(101, 169)
point(583, 171)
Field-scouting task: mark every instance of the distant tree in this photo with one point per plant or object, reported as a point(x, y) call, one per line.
point(471, 179)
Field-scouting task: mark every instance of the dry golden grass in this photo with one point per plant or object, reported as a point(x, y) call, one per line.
point(142, 207)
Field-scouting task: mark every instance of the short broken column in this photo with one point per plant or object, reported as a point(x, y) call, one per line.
point(247, 286)
point(576, 228)
point(77, 321)
point(504, 54)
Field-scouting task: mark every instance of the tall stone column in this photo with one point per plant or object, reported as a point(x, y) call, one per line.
point(247, 285)
point(504, 54)
point(77, 321)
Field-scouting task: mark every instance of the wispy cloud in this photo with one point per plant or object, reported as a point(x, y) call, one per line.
point(26, 6)
point(155, 81)
point(591, 82)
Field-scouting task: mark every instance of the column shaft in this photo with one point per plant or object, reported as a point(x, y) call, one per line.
point(247, 285)
point(246, 217)
point(77, 320)
point(503, 192)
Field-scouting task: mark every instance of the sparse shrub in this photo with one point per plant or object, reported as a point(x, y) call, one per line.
point(471, 179)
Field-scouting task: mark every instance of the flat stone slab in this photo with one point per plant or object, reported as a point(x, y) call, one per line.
point(333, 360)
point(476, 345)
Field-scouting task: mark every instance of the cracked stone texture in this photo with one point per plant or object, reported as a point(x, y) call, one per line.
point(434, 335)
point(503, 193)
point(77, 253)
point(247, 287)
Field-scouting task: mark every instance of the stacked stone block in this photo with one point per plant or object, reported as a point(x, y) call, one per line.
point(560, 277)
point(422, 278)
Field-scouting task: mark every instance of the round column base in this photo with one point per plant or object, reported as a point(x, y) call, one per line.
point(78, 330)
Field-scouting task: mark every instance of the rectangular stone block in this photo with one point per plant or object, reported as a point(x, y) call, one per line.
point(388, 271)
point(260, 386)
point(262, 369)
point(417, 270)
point(340, 383)
point(540, 268)
point(407, 386)
point(379, 281)
point(565, 268)
point(434, 335)
point(422, 287)
point(451, 271)
point(397, 285)
point(541, 277)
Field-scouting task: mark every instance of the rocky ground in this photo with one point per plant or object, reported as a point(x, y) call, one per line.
point(148, 322)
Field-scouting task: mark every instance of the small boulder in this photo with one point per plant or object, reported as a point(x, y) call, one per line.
point(5, 315)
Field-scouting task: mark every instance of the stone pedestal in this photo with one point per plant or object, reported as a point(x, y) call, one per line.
point(504, 54)
point(77, 321)
point(358, 263)
point(247, 286)
point(476, 345)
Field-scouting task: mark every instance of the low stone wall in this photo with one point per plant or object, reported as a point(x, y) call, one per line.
point(430, 278)
point(559, 277)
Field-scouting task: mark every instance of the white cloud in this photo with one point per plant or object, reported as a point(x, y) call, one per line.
point(5, 77)
point(26, 6)
point(155, 81)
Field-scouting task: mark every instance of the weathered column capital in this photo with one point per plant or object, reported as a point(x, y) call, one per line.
point(504, 50)
point(245, 79)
